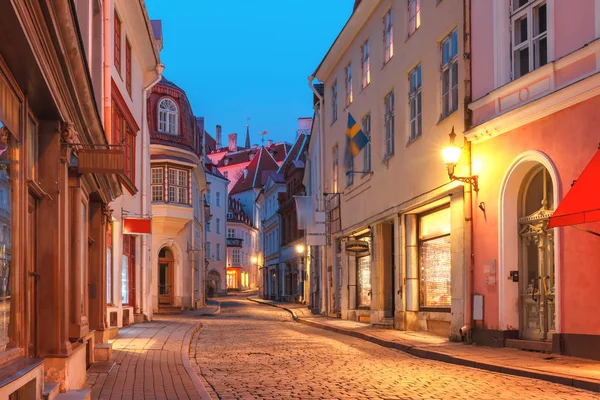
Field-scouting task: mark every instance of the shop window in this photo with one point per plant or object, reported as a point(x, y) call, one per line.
point(6, 267)
point(363, 280)
point(127, 272)
point(435, 257)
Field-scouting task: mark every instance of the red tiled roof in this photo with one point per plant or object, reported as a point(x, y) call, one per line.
point(210, 144)
point(263, 161)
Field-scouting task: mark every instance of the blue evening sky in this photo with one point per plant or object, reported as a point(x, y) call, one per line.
point(248, 58)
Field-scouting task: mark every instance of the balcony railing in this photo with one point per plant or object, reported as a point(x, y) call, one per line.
point(234, 242)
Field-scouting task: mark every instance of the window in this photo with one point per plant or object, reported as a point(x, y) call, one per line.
point(414, 16)
point(349, 85)
point(109, 263)
point(127, 270)
point(335, 169)
point(235, 256)
point(117, 44)
point(231, 233)
point(128, 66)
point(389, 124)
point(168, 117)
point(208, 196)
point(218, 251)
point(209, 226)
point(208, 251)
point(122, 134)
point(366, 123)
point(178, 186)
point(449, 74)
point(529, 24)
point(226, 174)
point(366, 64)
point(388, 37)
point(334, 102)
point(157, 184)
point(218, 226)
point(218, 199)
point(414, 102)
point(349, 167)
point(434, 249)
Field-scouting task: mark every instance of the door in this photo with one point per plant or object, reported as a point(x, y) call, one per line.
point(32, 276)
point(536, 272)
point(165, 282)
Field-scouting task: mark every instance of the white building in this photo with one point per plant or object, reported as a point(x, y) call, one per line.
point(216, 231)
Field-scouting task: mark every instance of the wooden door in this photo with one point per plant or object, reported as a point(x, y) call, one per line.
point(165, 281)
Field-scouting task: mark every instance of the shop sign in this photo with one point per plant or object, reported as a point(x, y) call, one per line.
point(101, 161)
point(137, 226)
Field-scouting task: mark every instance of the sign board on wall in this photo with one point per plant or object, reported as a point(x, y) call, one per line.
point(137, 226)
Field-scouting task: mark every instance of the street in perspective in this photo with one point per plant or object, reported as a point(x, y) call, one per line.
point(341, 199)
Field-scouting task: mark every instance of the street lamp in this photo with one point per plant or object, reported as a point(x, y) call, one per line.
point(300, 249)
point(254, 260)
point(451, 154)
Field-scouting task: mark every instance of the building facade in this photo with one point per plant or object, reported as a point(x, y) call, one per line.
point(532, 128)
point(398, 259)
point(242, 239)
point(133, 65)
point(178, 185)
point(216, 231)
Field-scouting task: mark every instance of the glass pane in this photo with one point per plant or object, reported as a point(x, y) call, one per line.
point(445, 81)
point(521, 62)
point(454, 46)
point(163, 276)
point(541, 52)
point(521, 30)
point(435, 224)
point(519, 3)
point(435, 272)
point(363, 272)
point(539, 19)
point(445, 51)
point(419, 124)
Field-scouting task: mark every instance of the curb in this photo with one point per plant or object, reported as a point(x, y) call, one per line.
point(185, 356)
point(579, 383)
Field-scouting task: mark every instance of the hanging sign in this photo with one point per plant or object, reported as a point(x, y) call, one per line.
point(137, 226)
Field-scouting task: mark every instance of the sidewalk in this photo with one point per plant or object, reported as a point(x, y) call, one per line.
point(150, 360)
point(570, 371)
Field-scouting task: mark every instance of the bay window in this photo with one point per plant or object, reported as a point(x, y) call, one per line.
point(157, 184)
point(178, 186)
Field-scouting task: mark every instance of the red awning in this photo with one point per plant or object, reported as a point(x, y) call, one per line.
point(582, 204)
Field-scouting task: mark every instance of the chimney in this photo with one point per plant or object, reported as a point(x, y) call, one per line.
point(269, 143)
point(233, 142)
point(218, 136)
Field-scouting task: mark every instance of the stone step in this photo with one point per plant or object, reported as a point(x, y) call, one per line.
point(51, 390)
point(82, 394)
point(169, 310)
point(542, 346)
point(103, 351)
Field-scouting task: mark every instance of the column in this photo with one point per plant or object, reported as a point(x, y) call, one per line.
point(412, 273)
point(97, 273)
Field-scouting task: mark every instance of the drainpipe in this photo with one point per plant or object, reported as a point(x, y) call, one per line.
point(321, 197)
point(145, 162)
point(107, 9)
point(467, 146)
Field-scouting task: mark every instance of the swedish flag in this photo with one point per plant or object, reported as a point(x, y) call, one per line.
point(356, 138)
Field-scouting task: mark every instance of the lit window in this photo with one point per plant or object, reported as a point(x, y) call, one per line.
point(363, 280)
point(366, 123)
point(389, 124)
point(349, 85)
point(335, 169)
point(334, 102)
point(449, 74)
point(414, 102)
point(168, 117)
point(157, 184)
point(529, 21)
point(178, 186)
point(414, 16)
point(435, 266)
point(366, 64)
point(388, 37)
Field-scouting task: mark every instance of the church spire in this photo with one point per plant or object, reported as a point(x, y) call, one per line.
point(247, 144)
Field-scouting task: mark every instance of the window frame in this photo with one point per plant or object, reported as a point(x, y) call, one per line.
point(117, 41)
point(128, 73)
point(154, 185)
point(365, 51)
point(349, 93)
point(123, 134)
point(218, 223)
point(414, 20)
point(446, 68)
point(336, 169)
point(366, 127)
point(334, 101)
point(177, 185)
point(527, 10)
point(165, 126)
point(389, 141)
point(415, 94)
point(388, 36)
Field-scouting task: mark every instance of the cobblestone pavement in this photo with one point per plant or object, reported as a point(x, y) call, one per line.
point(256, 351)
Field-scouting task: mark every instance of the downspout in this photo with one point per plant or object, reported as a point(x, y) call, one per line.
point(145, 250)
point(107, 9)
point(467, 146)
point(321, 197)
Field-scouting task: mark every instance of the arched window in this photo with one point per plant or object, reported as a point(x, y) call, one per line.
point(168, 116)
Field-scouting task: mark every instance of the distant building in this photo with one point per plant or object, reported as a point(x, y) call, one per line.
point(216, 231)
point(242, 237)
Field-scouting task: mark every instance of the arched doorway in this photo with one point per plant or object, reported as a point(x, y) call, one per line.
point(213, 282)
point(536, 267)
point(166, 263)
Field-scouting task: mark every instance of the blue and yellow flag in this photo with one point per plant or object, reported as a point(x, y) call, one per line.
point(357, 140)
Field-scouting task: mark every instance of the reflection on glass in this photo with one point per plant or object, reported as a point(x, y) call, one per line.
point(5, 239)
point(435, 272)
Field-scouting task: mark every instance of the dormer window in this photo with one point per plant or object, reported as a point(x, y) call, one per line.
point(168, 117)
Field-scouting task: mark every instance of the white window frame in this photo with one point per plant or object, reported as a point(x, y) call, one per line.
point(527, 10)
point(449, 100)
point(231, 233)
point(157, 184)
point(178, 186)
point(168, 117)
point(415, 102)
point(349, 94)
point(388, 36)
point(388, 103)
point(334, 102)
point(366, 63)
point(414, 16)
point(235, 256)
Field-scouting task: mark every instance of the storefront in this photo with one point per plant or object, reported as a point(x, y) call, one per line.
point(358, 250)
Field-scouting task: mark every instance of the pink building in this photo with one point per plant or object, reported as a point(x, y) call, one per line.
point(534, 115)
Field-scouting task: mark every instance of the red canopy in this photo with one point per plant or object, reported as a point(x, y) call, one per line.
point(582, 203)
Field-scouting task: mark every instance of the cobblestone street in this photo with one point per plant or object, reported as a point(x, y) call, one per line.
point(257, 351)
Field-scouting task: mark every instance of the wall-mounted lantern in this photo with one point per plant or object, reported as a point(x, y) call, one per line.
point(451, 155)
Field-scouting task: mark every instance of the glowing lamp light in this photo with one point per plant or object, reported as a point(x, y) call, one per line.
point(254, 260)
point(300, 249)
point(451, 154)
